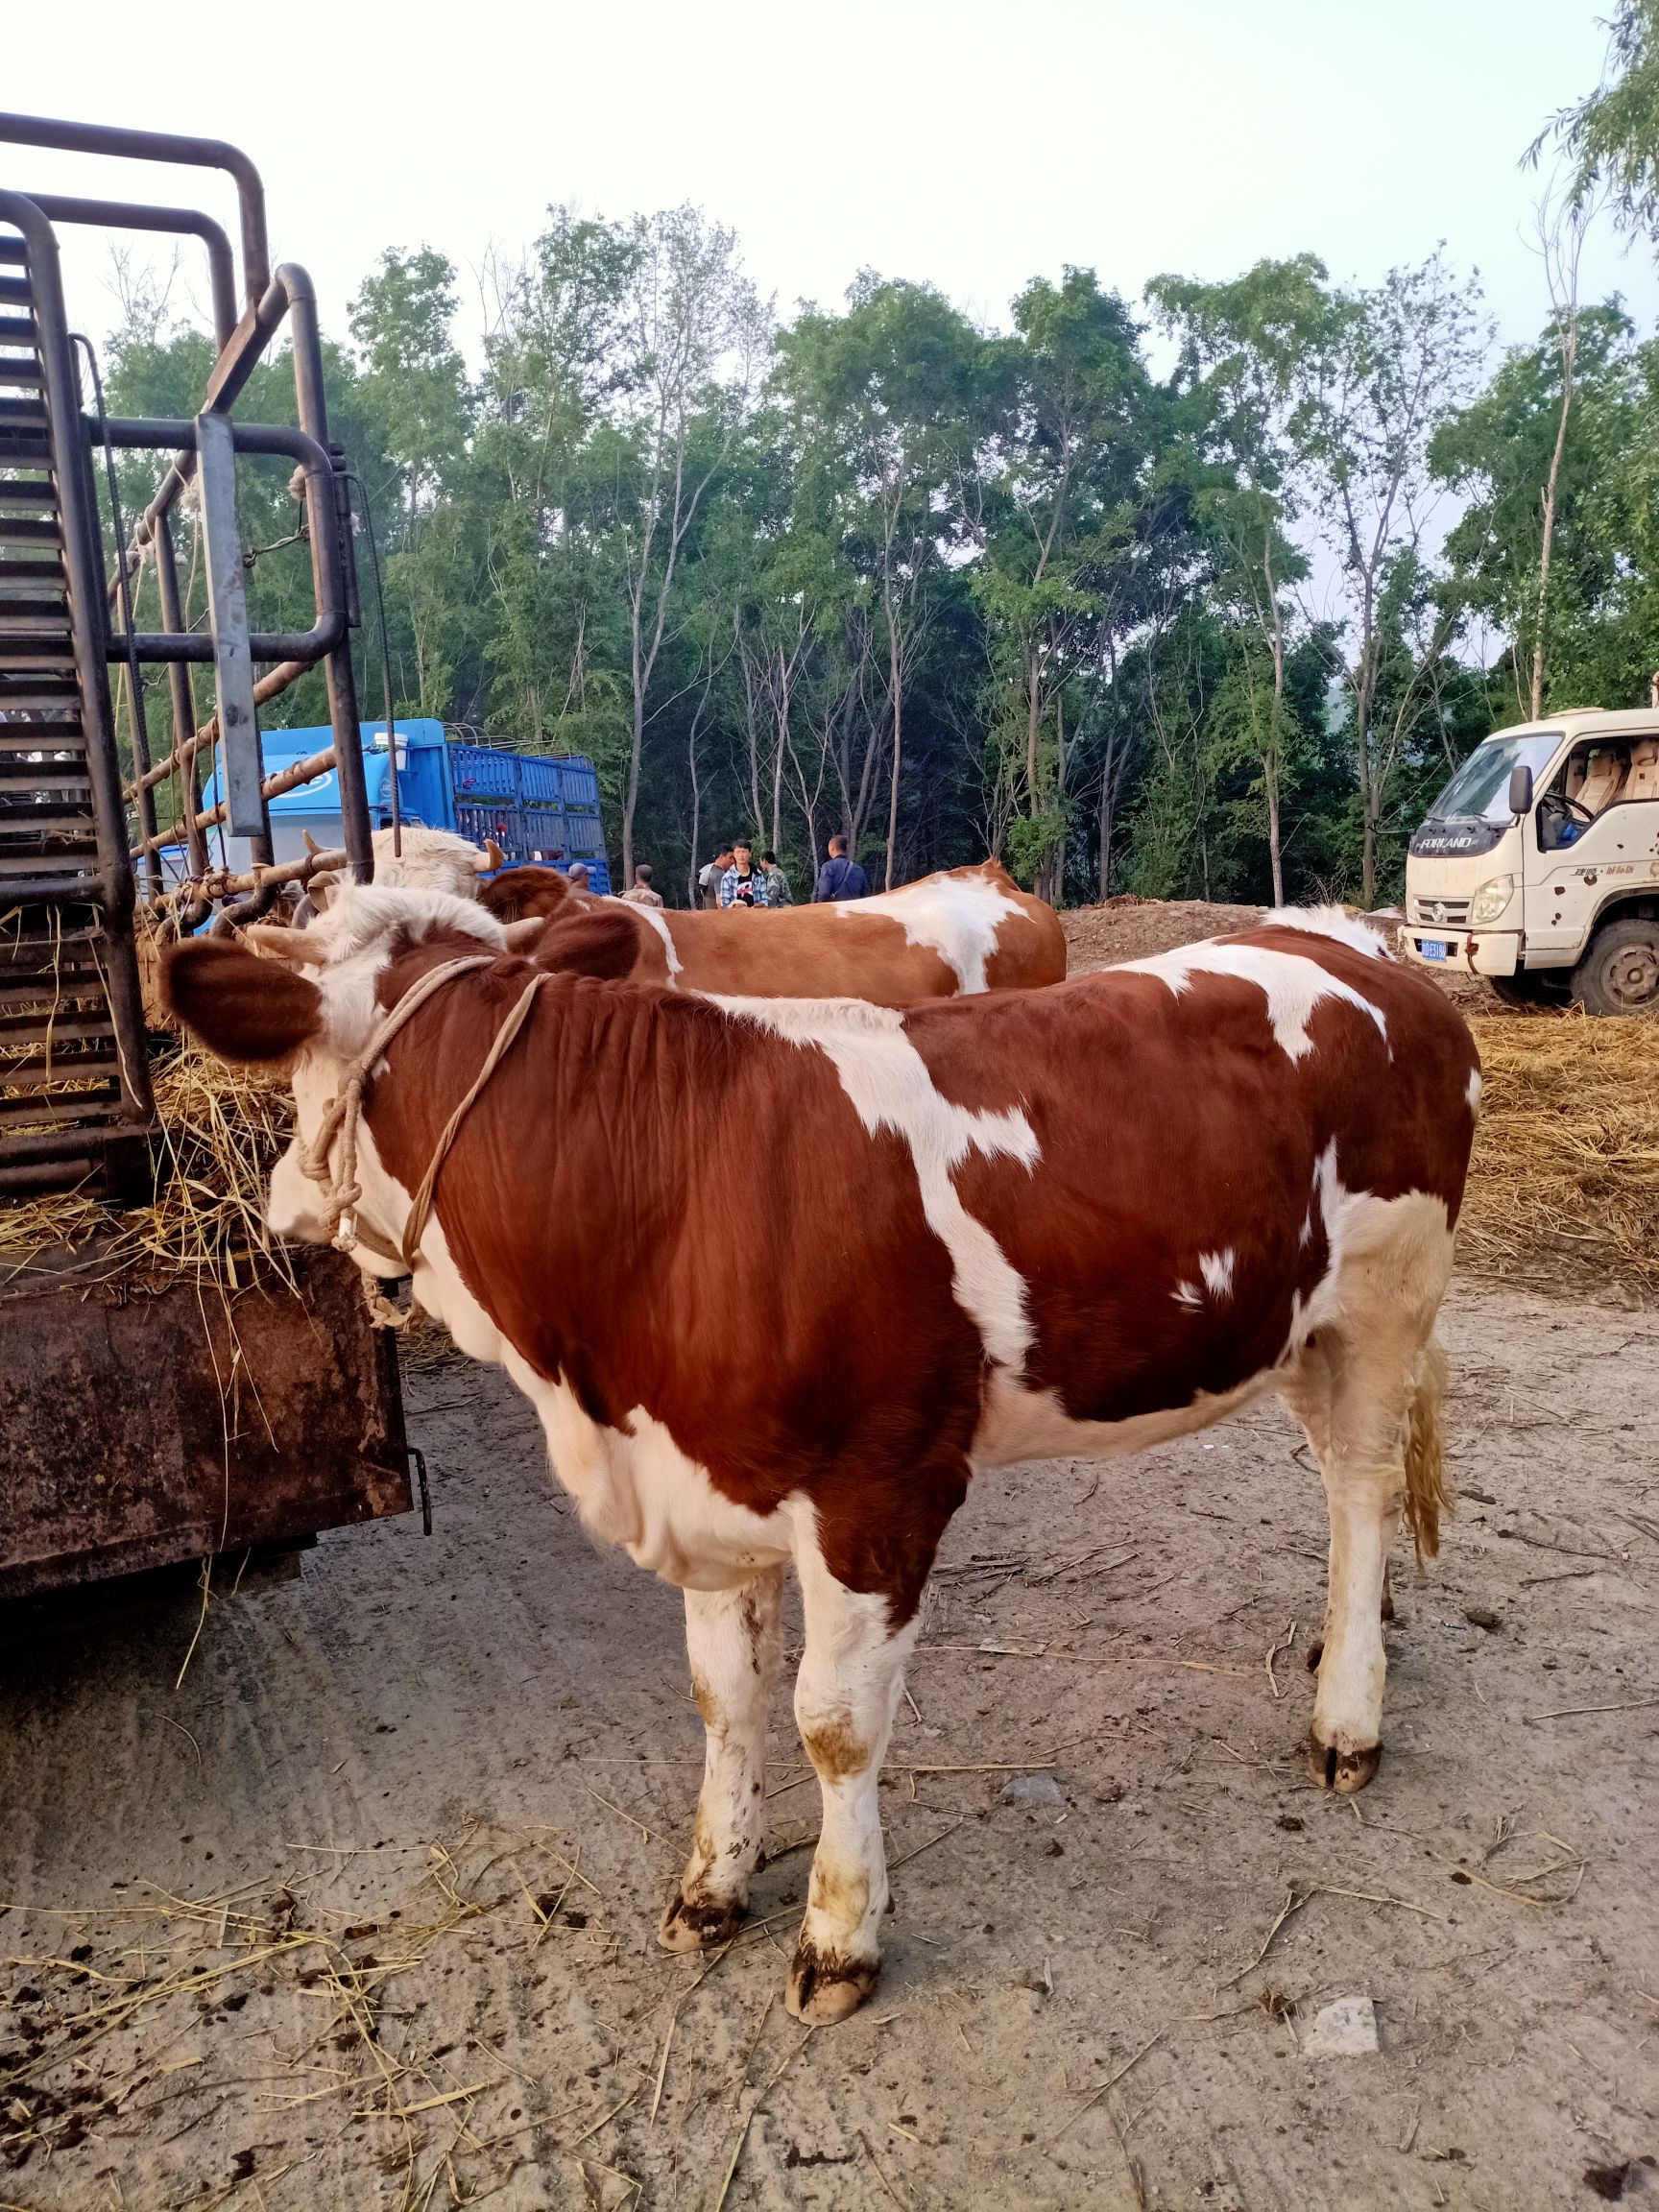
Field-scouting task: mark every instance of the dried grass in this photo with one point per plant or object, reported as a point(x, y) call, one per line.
point(335, 1981)
point(221, 1128)
point(1564, 1180)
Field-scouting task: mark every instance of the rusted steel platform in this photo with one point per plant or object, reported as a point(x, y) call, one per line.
point(138, 1430)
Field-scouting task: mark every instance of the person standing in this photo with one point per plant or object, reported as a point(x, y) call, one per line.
point(839, 878)
point(710, 876)
point(778, 891)
point(580, 879)
point(742, 884)
point(642, 892)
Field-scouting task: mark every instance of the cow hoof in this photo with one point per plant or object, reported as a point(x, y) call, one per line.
point(1344, 1772)
point(823, 1990)
point(687, 1927)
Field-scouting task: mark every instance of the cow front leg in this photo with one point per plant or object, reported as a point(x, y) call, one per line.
point(852, 1671)
point(733, 1638)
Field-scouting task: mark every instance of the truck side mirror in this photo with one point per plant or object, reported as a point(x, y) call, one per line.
point(1519, 792)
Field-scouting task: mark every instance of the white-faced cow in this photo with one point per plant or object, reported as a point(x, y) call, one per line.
point(1074, 1221)
point(964, 930)
point(415, 858)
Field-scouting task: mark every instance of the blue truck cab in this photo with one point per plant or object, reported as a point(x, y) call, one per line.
point(537, 806)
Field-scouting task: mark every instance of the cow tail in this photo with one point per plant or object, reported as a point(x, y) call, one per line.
point(1428, 1488)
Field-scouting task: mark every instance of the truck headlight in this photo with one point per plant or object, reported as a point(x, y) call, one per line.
point(1489, 902)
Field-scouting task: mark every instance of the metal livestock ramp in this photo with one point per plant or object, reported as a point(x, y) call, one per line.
point(75, 1101)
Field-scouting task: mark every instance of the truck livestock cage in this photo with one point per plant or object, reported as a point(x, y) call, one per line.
point(151, 1413)
point(535, 806)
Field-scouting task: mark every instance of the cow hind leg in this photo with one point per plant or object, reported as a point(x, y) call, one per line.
point(852, 1672)
point(733, 1641)
point(1367, 1389)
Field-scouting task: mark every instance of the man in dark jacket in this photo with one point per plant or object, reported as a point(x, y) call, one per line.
point(839, 878)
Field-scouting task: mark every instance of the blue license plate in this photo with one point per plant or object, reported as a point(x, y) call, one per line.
point(1433, 947)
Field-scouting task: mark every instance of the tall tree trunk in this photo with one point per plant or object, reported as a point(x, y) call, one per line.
point(896, 686)
point(1370, 811)
point(1569, 350)
point(691, 893)
point(1108, 810)
point(1270, 766)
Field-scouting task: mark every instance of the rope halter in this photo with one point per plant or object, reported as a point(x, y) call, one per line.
point(337, 1177)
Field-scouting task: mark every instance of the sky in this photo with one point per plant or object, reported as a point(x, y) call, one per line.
point(971, 144)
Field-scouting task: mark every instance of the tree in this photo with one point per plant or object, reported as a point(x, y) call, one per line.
point(696, 335)
point(1061, 514)
point(1391, 364)
point(1528, 491)
point(1244, 347)
point(885, 404)
point(1611, 138)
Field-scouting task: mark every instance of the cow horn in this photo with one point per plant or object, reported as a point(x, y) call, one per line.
point(295, 947)
point(311, 845)
point(491, 858)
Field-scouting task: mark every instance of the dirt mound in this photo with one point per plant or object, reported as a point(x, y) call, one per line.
point(1131, 929)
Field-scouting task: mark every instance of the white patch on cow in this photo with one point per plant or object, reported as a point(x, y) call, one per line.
point(652, 917)
point(1474, 1092)
point(358, 927)
point(1330, 922)
point(1291, 985)
point(1217, 1269)
point(887, 1081)
point(1189, 1295)
point(1306, 1236)
point(958, 917)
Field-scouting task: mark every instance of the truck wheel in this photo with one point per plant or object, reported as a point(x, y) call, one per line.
point(1540, 988)
point(1620, 973)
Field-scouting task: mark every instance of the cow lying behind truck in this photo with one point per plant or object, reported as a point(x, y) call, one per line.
point(949, 935)
point(1076, 1221)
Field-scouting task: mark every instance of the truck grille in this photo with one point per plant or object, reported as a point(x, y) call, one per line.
point(1452, 912)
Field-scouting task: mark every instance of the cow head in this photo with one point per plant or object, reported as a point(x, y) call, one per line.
point(428, 860)
point(307, 999)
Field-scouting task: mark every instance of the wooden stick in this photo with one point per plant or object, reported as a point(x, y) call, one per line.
point(1572, 1712)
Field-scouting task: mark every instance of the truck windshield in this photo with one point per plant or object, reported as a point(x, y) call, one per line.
point(1479, 791)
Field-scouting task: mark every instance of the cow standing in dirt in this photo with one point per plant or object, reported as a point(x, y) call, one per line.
point(1076, 1221)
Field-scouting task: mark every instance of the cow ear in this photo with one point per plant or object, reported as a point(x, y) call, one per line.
point(520, 894)
point(601, 943)
point(240, 1006)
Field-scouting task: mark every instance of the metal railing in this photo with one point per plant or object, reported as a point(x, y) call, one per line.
point(75, 1096)
point(273, 301)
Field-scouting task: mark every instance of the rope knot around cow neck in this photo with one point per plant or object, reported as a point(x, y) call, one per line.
point(331, 1159)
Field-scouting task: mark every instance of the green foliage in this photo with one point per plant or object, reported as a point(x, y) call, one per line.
point(949, 590)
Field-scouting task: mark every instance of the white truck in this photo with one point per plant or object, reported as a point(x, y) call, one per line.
point(1538, 866)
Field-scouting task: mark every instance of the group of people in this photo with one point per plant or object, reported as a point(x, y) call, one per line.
point(736, 877)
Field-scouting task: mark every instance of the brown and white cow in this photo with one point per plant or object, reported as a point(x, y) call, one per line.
point(1075, 1221)
point(964, 930)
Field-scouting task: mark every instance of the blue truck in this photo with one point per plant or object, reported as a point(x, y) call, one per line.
point(537, 806)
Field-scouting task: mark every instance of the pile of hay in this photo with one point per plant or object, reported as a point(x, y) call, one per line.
point(221, 1128)
point(1565, 1179)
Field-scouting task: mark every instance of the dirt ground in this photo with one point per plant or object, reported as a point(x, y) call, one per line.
point(1131, 929)
point(361, 1914)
